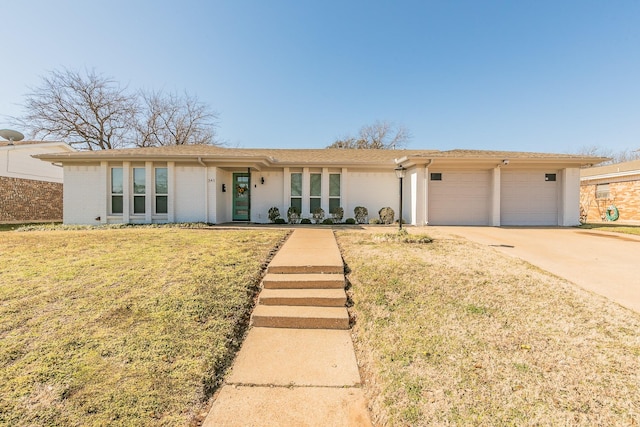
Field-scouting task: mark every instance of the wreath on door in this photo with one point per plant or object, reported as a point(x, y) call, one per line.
point(241, 189)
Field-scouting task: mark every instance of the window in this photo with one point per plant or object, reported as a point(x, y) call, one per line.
point(334, 191)
point(116, 190)
point(436, 176)
point(161, 190)
point(602, 191)
point(296, 191)
point(139, 189)
point(315, 191)
point(549, 176)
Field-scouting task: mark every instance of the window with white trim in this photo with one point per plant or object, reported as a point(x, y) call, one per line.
point(139, 190)
point(296, 191)
point(334, 191)
point(161, 190)
point(602, 191)
point(315, 191)
point(116, 191)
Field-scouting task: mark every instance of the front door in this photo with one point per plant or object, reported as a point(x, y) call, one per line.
point(241, 203)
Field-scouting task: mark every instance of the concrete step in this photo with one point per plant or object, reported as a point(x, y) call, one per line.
point(336, 267)
point(304, 297)
point(303, 281)
point(282, 316)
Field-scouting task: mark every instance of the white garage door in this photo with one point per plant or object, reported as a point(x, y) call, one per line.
point(528, 198)
point(459, 198)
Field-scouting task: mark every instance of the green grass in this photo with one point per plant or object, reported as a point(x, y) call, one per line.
point(626, 229)
point(122, 327)
point(456, 333)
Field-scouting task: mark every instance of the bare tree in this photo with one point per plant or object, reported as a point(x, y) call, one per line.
point(624, 155)
point(170, 119)
point(90, 111)
point(379, 135)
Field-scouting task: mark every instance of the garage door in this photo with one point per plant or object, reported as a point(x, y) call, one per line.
point(528, 198)
point(459, 198)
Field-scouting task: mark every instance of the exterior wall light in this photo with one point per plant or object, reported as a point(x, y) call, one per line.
point(224, 188)
point(262, 180)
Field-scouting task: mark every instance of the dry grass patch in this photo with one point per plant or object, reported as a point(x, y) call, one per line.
point(453, 332)
point(121, 327)
point(616, 228)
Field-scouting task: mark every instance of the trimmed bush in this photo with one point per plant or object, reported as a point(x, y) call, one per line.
point(318, 215)
point(328, 221)
point(293, 215)
point(274, 214)
point(360, 213)
point(337, 214)
point(305, 221)
point(374, 221)
point(387, 215)
point(350, 221)
point(280, 221)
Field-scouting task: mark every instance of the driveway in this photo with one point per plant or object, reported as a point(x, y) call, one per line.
point(602, 262)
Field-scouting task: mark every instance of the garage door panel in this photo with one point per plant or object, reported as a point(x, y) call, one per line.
point(461, 198)
point(527, 199)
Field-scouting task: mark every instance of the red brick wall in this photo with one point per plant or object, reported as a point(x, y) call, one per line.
point(624, 195)
point(25, 200)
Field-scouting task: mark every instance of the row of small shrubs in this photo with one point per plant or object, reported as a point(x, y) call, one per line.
point(360, 213)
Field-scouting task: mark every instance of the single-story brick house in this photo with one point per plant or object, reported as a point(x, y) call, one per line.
point(603, 188)
point(215, 185)
point(30, 190)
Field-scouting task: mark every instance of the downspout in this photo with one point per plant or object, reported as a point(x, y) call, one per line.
point(206, 190)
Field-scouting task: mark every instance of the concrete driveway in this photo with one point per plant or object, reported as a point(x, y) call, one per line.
point(602, 262)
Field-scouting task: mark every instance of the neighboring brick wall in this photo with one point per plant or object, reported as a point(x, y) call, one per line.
point(624, 195)
point(25, 200)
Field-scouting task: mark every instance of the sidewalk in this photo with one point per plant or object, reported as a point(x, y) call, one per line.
point(297, 366)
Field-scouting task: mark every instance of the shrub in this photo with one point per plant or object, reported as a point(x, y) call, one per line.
point(328, 221)
point(293, 215)
point(274, 214)
point(374, 221)
point(387, 215)
point(337, 214)
point(360, 213)
point(280, 221)
point(305, 221)
point(350, 221)
point(318, 215)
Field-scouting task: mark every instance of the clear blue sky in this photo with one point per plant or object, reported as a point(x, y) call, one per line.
point(528, 75)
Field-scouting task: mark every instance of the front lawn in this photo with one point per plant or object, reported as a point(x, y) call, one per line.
point(130, 326)
point(456, 333)
point(617, 228)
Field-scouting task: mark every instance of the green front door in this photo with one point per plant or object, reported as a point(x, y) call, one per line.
point(241, 203)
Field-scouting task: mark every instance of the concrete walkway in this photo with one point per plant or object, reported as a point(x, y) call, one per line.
point(297, 366)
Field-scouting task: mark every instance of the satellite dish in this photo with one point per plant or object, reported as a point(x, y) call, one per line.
point(11, 135)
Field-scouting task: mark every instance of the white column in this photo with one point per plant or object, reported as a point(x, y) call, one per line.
point(105, 173)
point(212, 192)
point(126, 192)
point(494, 219)
point(324, 195)
point(569, 189)
point(171, 184)
point(425, 196)
point(150, 191)
point(344, 199)
point(286, 191)
point(306, 192)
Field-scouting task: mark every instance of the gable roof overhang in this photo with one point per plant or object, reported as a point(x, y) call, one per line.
point(261, 159)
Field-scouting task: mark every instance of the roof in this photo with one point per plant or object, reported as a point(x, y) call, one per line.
point(22, 143)
point(616, 169)
point(327, 156)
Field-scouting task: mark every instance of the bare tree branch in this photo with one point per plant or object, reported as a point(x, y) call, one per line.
point(90, 111)
point(169, 119)
point(379, 135)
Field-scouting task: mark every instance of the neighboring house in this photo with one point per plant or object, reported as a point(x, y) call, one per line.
point(215, 185)
point(604, 188)
point(30, 190)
